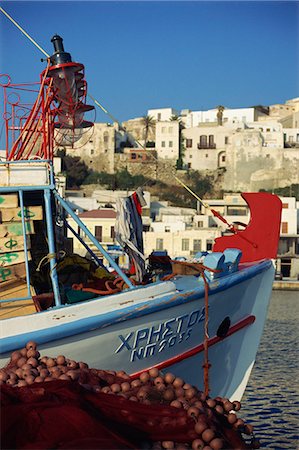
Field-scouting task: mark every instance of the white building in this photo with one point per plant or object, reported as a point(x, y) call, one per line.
point(205, 147)
point(237, 115)
point(167, 139)
point(181, 243)
point(162, 114)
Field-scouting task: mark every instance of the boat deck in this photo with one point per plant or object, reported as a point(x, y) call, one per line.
point(16, 308)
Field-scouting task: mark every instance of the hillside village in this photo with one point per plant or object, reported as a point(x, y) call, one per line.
point(245, 149)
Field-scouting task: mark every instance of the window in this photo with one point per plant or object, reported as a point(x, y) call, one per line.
point(112, 232)
point(200, 224)
point(268, 130)
point(133, 156)
point(98, 230)
point(207, 155)
point(170, 130)
point(170, 144)
point(163, 130)
point(159, 116)
point(226, 140)
point(211, 140)
point(188, 143)
point(159, 244)
point(203, 140)
point(285, 206)
point(190, 156)
point(223, 158)
point(284, 227)
point(185, 245)
point(209, 245)
point(291, 138)
point(236, 210)
point(163, 144)
point(197, 245)
point(92, 151)
point(106, 137)
point(167, 229)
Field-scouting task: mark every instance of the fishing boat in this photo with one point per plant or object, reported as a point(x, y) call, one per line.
point(201, 320)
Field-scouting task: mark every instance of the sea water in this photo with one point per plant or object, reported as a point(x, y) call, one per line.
point(271, 400)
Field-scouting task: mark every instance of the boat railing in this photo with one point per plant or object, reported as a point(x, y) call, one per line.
point(38, 175)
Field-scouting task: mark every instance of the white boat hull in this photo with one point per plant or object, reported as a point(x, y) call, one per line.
point(161, 326)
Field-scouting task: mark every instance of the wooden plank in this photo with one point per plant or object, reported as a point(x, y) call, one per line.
point(8, 244)
point(15, 214)
point(15, 229)
point(12, 273)
point(16, 308)
point(11, 258)
point(8, 200)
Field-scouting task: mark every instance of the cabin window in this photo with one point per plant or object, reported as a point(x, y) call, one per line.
point(185, 245)
point(197, 245)
point(98, 232)
point(159, 244)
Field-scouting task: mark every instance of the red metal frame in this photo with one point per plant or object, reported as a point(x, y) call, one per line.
point(33, 130)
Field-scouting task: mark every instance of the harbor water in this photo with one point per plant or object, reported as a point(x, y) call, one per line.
point(271, 400)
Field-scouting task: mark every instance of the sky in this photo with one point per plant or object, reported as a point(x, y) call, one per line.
point(158, 54)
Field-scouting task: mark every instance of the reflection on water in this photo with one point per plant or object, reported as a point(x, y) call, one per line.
point(271, 400)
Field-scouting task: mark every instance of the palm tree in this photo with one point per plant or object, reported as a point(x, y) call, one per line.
point(220, 109)
point(149, 124)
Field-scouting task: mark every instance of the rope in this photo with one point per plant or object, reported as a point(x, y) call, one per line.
point(24, 32)
point(206, 365)
point(48, 258)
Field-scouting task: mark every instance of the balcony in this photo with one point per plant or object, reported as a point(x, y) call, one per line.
point(206, 146)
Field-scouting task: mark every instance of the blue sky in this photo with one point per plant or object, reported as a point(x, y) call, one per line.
point(143, 55)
